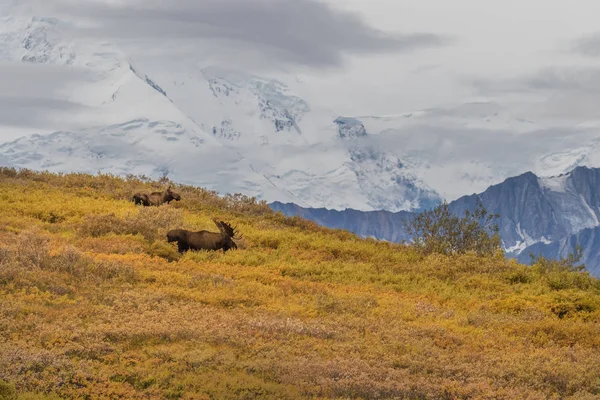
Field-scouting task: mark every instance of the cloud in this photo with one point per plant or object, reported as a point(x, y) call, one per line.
point(548, 94)
point(460, 160)
point(566, 79)
point(39, 80)
point(306, 32)
point(36, 112)
point(557, 79)
point(37, 95)
point(588, 45)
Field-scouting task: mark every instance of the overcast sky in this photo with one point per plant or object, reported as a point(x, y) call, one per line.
point(370, 56)
point(514, 45)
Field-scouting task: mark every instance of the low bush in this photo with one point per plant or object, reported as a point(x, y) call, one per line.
point(150, 222)
point(34, 252)
point(7, 391)
point(440, 231)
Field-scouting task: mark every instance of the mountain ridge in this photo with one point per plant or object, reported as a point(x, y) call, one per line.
point(547, 214)
point(242, 117)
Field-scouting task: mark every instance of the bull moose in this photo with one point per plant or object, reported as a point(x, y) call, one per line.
point(156, 198)
point(205, 240)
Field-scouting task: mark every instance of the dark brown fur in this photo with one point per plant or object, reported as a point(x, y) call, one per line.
point(155, 198)
point(205, 240)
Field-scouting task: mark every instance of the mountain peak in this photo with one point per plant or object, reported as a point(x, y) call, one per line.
point(350, 128)
point(288, 144)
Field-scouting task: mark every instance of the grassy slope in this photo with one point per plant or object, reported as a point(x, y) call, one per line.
point(93, 301)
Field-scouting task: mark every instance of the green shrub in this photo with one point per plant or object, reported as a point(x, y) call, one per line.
point(440, 231)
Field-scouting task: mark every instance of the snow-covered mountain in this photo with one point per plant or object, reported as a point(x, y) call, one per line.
point(541, 210)
point(89, 105)
point(224, 129)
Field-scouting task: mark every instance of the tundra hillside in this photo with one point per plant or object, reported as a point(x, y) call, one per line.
point(94, 303)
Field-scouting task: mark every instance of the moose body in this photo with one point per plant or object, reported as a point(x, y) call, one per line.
point(156, 198)
point(204, 240)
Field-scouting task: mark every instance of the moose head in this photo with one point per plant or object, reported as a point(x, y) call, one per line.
point(171, 195)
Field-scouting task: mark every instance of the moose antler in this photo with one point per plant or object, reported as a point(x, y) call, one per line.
point(235, 232)
point(218, 224)
point(226, 229)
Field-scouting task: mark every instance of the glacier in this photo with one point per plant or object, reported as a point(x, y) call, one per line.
point(212, 126)
point(106, 107)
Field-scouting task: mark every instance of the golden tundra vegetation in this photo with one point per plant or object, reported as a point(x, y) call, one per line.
point(94, 303)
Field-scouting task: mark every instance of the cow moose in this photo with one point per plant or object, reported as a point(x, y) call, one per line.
point(156, 198)
point(205, 240)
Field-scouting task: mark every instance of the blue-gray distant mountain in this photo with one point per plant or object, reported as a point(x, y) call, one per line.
point(547, 214)
point(377, 224)
point(589, 239)
point(541, 210)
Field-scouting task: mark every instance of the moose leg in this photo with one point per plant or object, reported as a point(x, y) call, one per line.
point(181, 247)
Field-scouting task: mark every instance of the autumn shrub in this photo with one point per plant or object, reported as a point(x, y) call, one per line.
point(96, 304)
point(38, 396)
point(113, 244)
point(575, 306)
point(8, 172)
point(296, 221)
point(199, 280)
point(7, 391)
point(440, 231)
point(80, 266)
point(286, 327)
point(247, 205)
point(563, 273)
point(103, 224)
point(107, 270)
point(33, 252)
point(521, 274)
point(160, 248)
point(150, 222)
